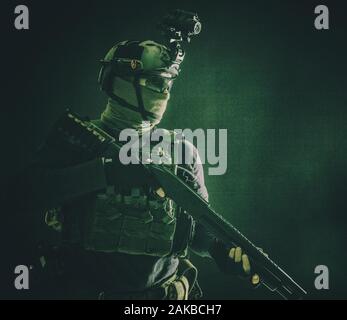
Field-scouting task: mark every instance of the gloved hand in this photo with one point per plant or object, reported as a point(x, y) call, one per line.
point(233, 261)
point(238, 258)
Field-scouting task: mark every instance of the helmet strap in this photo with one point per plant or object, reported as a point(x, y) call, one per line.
point(140, 103)
point(141, 107)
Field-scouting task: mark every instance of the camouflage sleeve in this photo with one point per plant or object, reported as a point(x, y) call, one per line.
point(193, 173)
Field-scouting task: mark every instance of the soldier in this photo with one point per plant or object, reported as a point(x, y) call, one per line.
point(120, 237)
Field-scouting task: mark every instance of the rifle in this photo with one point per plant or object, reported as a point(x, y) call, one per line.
point(82, 135)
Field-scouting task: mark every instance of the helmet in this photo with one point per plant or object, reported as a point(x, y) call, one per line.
point(144, 63)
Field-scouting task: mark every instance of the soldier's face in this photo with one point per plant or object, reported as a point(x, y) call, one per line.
point(154, 102)
point(156, 83)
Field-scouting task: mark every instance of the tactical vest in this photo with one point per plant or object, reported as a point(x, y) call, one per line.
point(137, 222)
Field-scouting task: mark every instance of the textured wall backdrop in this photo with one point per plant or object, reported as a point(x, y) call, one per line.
point(259, 69)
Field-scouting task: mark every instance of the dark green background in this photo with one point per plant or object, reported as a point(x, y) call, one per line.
point(259, 69)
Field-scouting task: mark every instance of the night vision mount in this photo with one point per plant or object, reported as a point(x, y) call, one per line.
point(179, 27)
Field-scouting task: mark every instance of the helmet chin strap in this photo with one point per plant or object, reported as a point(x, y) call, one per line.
point(146, 115)
point(140, 103)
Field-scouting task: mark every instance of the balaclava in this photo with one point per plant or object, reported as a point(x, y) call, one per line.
point(154, 57)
